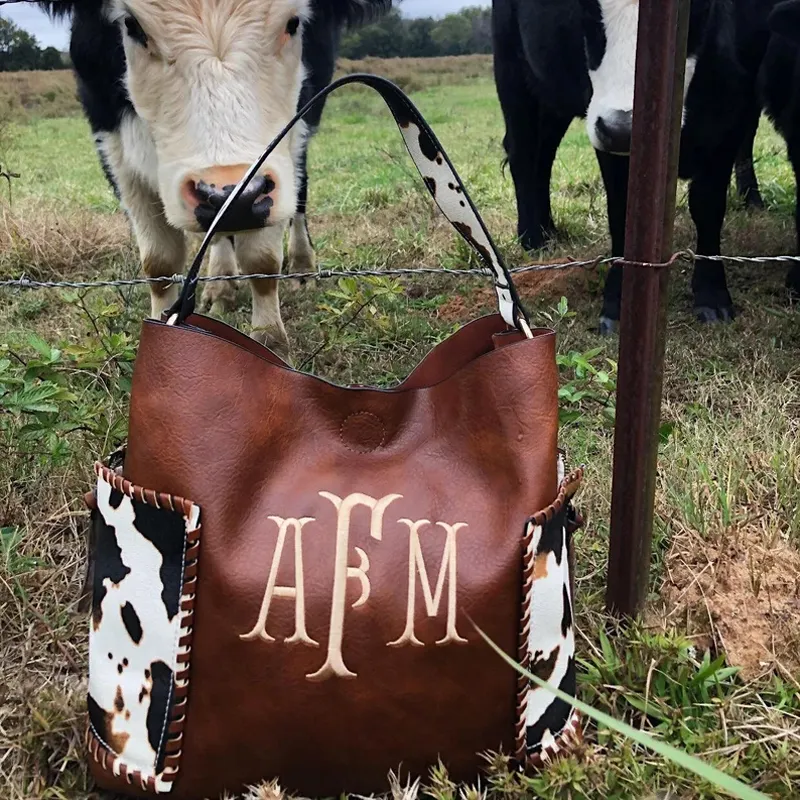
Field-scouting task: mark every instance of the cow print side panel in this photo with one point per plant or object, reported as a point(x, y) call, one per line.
point(146, 548)
point(548, 726)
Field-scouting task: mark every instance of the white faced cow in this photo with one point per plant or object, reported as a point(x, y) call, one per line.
point(560, 59)
point(182, 96)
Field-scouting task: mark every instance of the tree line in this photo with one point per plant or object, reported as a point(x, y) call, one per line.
point(469, 31)
point(19, 50)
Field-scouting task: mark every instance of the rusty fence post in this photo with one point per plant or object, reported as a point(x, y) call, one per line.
point(652, 188)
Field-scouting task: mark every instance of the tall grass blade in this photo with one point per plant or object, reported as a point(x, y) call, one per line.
point(711, 774)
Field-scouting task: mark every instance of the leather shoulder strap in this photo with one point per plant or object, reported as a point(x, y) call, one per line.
point(438, 173)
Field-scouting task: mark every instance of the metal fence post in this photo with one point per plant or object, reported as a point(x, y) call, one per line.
point(660, 67)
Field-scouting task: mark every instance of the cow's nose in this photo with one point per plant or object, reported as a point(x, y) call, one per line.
point(206, 193)
point(614, 132)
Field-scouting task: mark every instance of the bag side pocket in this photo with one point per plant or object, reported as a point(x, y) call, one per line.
point(145, 549)
point(547, 726)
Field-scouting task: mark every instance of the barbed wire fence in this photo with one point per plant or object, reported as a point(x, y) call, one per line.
point(688, 257)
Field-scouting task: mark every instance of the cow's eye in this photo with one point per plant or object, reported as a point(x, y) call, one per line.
point(135, 31)
point(292, 26)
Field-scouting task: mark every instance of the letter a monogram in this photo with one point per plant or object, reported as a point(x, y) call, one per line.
point(334, 665)
point(295, 592)
point(416, 563)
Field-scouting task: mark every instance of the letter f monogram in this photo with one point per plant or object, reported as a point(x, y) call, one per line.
point(334, 665)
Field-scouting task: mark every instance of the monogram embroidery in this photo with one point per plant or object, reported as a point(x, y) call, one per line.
point(334, 665)
point(432, 600)
point(295, 592)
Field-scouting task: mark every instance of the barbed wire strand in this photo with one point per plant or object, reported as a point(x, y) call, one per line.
point(687, 256)
point(322, 274)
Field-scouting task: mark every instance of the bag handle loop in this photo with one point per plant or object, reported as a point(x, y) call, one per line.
point(441, 180)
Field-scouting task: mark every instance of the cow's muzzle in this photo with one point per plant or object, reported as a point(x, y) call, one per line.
point(613, 131)
point(206, 195)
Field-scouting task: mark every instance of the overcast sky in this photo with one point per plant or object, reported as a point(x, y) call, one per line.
point(48, 34)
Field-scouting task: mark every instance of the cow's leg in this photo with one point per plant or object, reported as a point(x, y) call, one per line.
point(708, 194)
point(793, 278)
point(262, 252)
point(320, 47)
point(552, 129)
point(302, 257)
point(220, 296)
point(746, 180)
point(615, 171)
point(162, 248)
point(531, 141)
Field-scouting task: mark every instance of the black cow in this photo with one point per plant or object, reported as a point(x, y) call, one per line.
point(780, 90)
point(556, 60)
point(182, 96)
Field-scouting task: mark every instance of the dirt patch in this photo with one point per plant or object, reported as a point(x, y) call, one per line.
point(546, 285)
point(742, 598)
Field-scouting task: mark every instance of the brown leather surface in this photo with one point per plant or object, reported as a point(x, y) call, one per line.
point(469, 437)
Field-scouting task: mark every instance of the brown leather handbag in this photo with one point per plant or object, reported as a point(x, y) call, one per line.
point(288, 574)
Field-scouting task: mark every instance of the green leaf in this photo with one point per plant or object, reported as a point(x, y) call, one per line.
point(645, 707)
point(665, 431)
point(708, 670)
point(709, 773)
point(35, 399)
point(727, 672)
point(40, 408)
point(40, 346)
point(608, 651)
point(580, 361)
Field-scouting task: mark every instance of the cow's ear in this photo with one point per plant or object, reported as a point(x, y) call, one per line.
point(785, 20)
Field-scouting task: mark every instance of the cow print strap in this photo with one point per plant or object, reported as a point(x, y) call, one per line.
point(441, 180)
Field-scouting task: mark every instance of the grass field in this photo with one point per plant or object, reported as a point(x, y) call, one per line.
point(714, 665)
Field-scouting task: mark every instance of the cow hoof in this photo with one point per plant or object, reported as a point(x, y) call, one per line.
point(530, 243)
point(608, 326)
point(274, 339)
point(709, 314)
point(218, 298)
point(754, 203)
point(302, 263)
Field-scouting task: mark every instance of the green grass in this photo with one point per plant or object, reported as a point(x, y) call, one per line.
point(713, 666)
point(58, 166)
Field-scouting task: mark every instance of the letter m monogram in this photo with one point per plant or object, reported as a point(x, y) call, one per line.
point(433, 598)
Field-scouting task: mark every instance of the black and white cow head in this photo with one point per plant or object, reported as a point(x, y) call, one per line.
point(611, 34)
point(212, 82)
